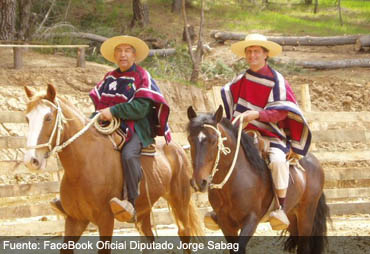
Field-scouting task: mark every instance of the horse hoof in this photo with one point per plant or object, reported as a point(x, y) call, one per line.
point(122, 210)
point(210, 223)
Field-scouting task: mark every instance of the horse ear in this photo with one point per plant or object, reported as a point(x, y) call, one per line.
point(50, 93)
point(218, 115)
point(29, 92)
point(191, 113)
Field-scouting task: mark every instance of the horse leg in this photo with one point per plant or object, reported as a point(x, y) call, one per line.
point(292, 241)
point(105, 226)
point(249, 227)
point(230, 233)
point(73, 230)
point(305, 220)
point(144, 226)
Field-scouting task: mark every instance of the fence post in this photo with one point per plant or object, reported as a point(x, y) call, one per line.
point(81, 57)
point(306, 99)
point(18, 58)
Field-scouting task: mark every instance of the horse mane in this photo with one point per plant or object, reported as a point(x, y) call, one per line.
point(34, 101)
point(251, 152)
point(247, 142)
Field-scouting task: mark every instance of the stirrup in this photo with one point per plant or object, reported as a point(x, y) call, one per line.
point(279, 220)
point(122, 209)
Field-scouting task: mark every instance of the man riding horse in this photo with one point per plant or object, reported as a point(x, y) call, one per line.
point(268, 105)
point(130, 94)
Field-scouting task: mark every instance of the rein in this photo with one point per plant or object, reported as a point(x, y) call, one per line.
point(225, 150)
point(58, 128)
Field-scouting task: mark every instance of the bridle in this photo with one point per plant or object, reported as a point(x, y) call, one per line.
point(59, 125)
point(225, 150)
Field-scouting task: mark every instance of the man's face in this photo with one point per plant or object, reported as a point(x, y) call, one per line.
point(125, 56)
point(256, 57)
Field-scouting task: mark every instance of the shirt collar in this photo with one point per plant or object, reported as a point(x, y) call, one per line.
point(131, 69)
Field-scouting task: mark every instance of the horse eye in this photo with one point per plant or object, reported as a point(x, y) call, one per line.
point(48, 118)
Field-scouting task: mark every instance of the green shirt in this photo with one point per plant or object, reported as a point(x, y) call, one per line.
point(137, 110)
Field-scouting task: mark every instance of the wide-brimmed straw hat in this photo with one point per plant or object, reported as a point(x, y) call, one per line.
point(108, 46)
point(238, 48)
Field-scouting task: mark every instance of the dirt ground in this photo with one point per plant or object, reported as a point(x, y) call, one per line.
point(331, 90)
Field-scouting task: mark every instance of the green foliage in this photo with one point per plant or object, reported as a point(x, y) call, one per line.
point(176, 67)
point(294, 18)
point(286, 17)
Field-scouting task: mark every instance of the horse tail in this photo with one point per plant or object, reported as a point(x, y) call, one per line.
point(183, 208)
point(195, 223)
point(319, 239)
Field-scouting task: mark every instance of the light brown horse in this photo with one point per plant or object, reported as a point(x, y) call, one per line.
point(93, 171)
point(246, 196)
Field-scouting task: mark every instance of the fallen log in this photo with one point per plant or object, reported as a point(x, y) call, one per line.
point(88, 36)
point(335, 64)
point(292, 40)
point(362, 43)
point(162, 52)
point(99, 38)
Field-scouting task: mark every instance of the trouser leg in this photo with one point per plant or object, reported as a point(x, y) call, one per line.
point(132, 167)
point(280, 177)
point(279, 170)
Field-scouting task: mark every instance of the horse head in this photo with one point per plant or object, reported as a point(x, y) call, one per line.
point(204, 146)
point(41, 115)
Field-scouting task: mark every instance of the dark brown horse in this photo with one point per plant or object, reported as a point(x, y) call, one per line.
point(93, 171)
point(246, 196)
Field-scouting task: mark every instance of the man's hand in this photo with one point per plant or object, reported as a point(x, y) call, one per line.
point(250, 115)
point(106, 115)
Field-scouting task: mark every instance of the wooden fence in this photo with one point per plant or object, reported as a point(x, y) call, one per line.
point(18, 50)
point(347, 185)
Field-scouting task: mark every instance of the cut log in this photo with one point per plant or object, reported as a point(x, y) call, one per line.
point(88, 36)
point(162, 52)
point(98, 38)
point(292, 40)
point(362, 43)
point(335, 64)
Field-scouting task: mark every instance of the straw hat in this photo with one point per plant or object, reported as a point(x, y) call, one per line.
point(108, 46)
point(238, 48)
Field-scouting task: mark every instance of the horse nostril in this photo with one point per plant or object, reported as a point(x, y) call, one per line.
point(203, 184)
point(35, 162)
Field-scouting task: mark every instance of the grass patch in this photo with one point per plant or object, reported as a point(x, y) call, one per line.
point(286, 17)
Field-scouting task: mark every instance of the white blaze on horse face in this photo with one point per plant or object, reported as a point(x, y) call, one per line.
point(201, 136)
point(36, 120)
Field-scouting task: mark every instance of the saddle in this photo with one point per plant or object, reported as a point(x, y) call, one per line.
point(118, 139)
point(262, 145)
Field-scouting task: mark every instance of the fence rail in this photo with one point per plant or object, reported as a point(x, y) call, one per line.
point(18, 52)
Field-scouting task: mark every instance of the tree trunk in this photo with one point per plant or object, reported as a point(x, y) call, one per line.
point(24, 16)
point(308, 2)
point(362, 43)
point(141, 13)
point(340, 13)
point(316, 9)
point(7, 19)
point(293, 40)
point(335, 64)
point(176, 5)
